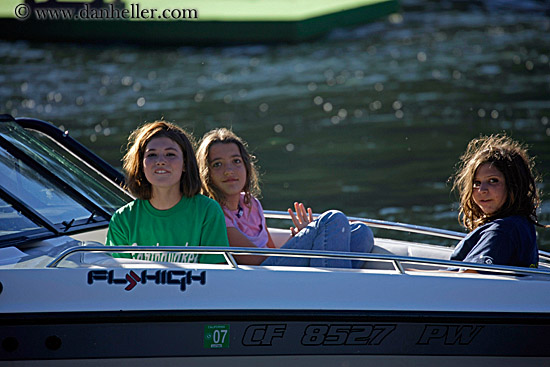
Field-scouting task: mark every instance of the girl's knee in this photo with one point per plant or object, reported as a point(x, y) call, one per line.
point(334, 217)
point(363, 234)
point(362, 229)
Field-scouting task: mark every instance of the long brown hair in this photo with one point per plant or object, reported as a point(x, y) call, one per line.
point(133, 159)
point(226, 136)
point(511, 159)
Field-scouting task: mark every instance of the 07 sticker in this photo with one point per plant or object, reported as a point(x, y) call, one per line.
point(216, 336)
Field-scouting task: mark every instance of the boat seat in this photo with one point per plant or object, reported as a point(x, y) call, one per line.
point(279, 236)
point(411, 249)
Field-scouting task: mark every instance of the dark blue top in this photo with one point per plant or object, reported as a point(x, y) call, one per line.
point(506, 241)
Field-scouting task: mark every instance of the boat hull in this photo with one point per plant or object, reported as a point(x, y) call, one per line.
point(270, 337)
point(203, 313)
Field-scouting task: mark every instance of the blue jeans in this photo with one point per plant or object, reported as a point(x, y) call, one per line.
point(330, 232)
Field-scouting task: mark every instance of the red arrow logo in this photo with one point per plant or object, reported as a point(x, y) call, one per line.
point(132, 278)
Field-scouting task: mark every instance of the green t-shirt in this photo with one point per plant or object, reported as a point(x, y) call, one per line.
point(194, 221)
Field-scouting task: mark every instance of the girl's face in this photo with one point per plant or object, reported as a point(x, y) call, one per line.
point(489, 188)
point(227, 169)
point(163, 163)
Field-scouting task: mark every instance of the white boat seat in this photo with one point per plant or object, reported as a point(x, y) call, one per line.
point(279, 236)
point(412, 249)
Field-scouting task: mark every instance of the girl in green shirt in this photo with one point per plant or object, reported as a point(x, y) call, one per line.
point(162, 173)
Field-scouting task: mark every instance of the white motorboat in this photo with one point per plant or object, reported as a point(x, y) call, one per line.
point(65, 301)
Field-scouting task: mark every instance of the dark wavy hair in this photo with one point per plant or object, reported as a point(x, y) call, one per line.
point(512, 160)
point(136, 182)
point(226, 136)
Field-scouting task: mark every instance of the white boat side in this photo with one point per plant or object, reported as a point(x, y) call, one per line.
point(386, 282)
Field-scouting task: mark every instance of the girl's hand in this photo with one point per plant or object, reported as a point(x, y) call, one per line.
point(302, 218)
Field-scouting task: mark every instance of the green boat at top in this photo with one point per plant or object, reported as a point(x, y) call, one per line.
point(184, 22)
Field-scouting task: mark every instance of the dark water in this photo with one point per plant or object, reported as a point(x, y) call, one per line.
point(369, 120)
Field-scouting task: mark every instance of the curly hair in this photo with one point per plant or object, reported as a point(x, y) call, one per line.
point(226, 136)
point(512, 160)
point(136, 182)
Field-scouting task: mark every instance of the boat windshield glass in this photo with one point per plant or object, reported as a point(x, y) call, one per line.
point(37, 193)
point(12, 221)
point(45, 190)
point(71, 169)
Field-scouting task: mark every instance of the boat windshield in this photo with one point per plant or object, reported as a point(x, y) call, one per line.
point(45, 188)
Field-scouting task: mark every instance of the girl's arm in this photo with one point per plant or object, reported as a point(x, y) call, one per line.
point(237, 239)
point(494, 247)
point(270, 242)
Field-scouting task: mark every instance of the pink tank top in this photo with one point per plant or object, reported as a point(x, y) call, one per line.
point(249, 221)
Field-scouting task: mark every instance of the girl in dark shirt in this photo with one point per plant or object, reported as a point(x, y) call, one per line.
point(496, 183)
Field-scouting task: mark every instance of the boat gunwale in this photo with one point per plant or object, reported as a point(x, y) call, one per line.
point(229, 252)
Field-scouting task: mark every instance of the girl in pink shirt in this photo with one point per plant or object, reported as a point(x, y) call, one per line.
point(229, 176)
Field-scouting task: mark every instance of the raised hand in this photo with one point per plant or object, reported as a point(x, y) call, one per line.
point(301, 219)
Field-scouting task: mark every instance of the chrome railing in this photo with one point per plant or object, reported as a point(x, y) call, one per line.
point(229, 253)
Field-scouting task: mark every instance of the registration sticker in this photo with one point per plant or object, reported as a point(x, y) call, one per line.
point(216, 336)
